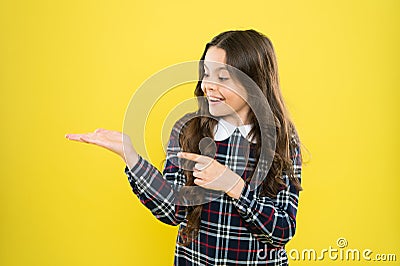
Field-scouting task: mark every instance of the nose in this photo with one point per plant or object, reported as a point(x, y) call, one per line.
point(208, 86)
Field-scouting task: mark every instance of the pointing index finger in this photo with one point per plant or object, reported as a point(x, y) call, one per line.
point(194, 157)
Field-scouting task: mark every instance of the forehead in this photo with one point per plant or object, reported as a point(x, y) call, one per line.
point(215, 54)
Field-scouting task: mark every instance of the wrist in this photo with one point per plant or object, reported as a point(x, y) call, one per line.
point(236, 190)
point(130, 158)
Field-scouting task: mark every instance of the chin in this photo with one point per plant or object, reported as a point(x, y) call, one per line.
point(214, 112)
point(217, 113)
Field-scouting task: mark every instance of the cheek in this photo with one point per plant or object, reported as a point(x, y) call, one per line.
point(234, 100)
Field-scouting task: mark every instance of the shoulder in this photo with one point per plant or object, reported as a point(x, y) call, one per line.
point(295, 148)
point(183, 122)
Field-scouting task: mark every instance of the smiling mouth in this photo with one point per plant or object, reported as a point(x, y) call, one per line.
point(213, 99)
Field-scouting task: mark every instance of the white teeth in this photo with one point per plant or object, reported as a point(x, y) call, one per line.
point(214, 98)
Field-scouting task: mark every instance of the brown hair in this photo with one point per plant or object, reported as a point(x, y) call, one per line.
point(252, 53)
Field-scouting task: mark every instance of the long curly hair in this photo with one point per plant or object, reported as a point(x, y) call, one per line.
point(253, 54)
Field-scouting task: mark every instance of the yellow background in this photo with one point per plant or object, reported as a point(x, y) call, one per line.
point(72, 66)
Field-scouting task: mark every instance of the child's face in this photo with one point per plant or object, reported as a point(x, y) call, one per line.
point(226, 97)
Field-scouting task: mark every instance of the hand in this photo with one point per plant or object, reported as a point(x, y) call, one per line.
point(211, 174)
point(114, 141)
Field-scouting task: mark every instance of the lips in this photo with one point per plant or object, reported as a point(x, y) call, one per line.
point(214, 99)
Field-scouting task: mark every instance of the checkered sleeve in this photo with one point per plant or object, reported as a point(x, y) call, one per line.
point(272, 220)
point(157, 191)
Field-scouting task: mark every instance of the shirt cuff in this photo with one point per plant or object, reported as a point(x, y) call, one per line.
point(137, 175)
point(245, 203)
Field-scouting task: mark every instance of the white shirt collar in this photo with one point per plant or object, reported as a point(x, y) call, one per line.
point(224, 130)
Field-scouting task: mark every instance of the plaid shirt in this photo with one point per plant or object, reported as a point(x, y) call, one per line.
point(251, 230)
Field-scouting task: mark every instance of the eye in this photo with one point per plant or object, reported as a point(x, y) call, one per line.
point(206, 75)
point(223, 75)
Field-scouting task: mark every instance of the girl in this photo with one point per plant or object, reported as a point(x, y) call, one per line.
point(246, 225)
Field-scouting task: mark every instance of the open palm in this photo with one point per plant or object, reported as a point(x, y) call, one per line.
point(114, 141)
